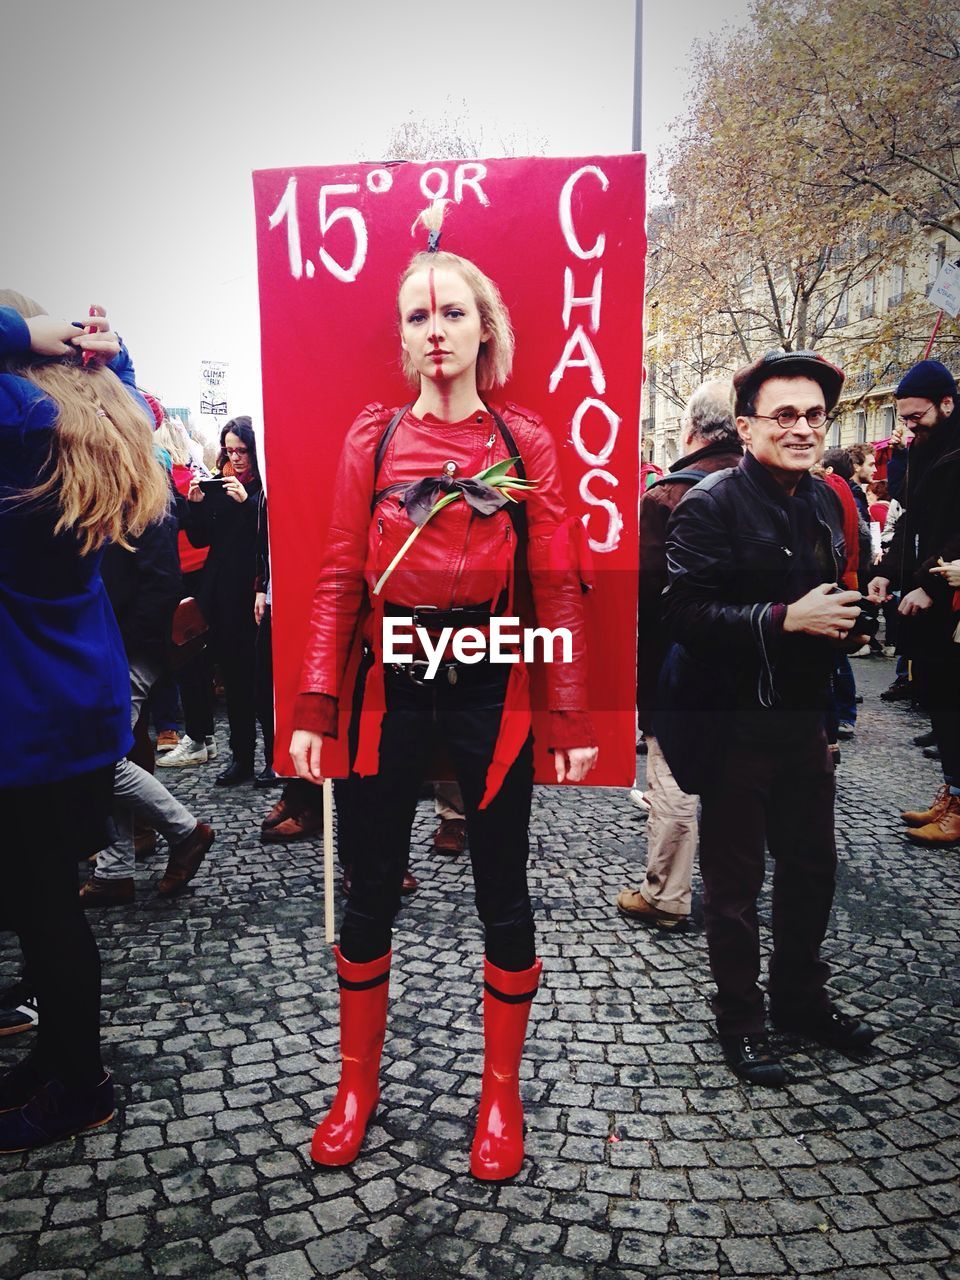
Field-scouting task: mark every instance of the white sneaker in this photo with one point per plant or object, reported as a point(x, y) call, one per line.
point(889, 650)
point(863, 652)
point(211, 744)
point(640, 800)
point(187, 752)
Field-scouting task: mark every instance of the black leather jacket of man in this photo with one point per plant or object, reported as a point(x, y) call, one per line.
point(739, 550)
point(928, 531)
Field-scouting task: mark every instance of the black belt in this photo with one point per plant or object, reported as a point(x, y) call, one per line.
point(432, 618)
point(448, 671)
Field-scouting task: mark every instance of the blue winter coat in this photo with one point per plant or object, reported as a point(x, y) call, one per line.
point(64, 679)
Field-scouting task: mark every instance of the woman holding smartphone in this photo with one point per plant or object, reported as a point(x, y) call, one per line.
point(459, 570)
point(221, 513)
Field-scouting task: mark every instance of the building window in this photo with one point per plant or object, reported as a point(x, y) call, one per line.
point(935, 260)
point(868, 307)
point(860, 426)
point(887, 419)
point(834, 441)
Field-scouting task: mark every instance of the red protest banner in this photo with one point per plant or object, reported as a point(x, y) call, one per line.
point(564, 240)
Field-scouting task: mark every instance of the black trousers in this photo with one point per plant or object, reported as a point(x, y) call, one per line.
point(465, 718)
point(234, 642)
point(938, 691)
point(780, 795)
point(50, 827)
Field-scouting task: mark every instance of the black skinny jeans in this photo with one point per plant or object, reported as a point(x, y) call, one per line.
point(464, 718)
point(50, 827)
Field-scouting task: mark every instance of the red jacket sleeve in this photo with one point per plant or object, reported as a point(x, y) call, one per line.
point(340, 590)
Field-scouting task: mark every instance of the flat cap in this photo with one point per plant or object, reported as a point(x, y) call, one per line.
point(786, 364)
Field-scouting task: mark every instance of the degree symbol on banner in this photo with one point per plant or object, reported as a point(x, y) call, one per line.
point(379, 180)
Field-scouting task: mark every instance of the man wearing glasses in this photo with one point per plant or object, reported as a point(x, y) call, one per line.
point(926, 536)
point(755, 554)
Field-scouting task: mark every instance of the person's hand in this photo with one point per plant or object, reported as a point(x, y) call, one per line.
point(898, 435)
point(914, 602)
point(950, 572)
point(259, 606)
point(305, 754)
point(234, 489)
point(878, 590)
point(195, 493)
point(574, 763)
point(824, 611)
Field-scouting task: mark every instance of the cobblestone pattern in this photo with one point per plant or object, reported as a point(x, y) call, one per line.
point(645, 1155)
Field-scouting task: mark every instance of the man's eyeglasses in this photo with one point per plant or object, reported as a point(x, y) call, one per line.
point(787, 418)
point(236, 453)
point(913, 419)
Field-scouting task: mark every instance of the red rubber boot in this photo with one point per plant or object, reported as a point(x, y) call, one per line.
point(363, 1021)
point(498, 1143)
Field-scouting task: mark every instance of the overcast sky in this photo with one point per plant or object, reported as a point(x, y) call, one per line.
point(132, 129)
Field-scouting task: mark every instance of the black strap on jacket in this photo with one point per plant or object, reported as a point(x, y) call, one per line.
point(689, 475)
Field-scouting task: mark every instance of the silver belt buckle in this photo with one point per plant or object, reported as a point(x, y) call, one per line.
point(423, 608)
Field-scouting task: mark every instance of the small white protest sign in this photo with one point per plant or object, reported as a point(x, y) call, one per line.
point(945, 293)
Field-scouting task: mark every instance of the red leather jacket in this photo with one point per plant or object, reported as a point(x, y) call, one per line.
point(458, 558)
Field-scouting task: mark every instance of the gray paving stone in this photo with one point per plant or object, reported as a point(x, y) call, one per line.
point(336, 1253)
point(691, 1254)
point(753, 1257)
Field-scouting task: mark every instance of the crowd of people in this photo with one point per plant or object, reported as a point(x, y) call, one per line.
point(135, 585)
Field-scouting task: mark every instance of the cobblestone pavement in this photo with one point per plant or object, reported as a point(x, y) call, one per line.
point(645, 1155)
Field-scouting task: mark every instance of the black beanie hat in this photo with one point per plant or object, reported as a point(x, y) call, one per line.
point(928, 380)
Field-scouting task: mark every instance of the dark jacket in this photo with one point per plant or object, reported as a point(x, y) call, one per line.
point(739, 549)
point(928, 530)
point(656, 506)
point(229, 529)
point(144, 587)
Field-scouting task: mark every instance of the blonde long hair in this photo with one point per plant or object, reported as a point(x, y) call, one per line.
point(495, 361)
point(102, 471)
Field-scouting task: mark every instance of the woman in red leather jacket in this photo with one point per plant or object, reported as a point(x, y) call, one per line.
point(456, 343)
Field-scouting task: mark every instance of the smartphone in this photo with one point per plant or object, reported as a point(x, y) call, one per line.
point(214, 485)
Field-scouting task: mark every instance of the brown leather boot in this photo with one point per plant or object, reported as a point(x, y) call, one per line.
point(300, 826)
point(451, 835)
point(185, 859)
point(920, 818)
point(107, 893)
point(945, 830)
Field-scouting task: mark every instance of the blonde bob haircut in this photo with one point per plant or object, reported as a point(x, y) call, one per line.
point(172, 436)
point(102, 472)
point(495, 360)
